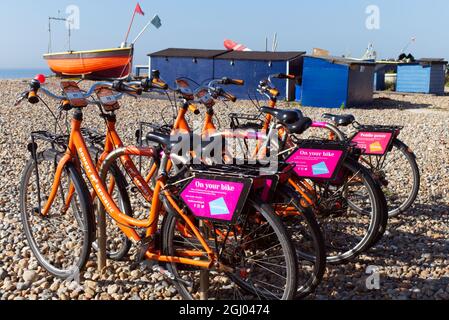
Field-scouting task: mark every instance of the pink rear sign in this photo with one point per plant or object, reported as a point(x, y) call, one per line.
point(213, 199)
point(316, 163)
point(373, 143)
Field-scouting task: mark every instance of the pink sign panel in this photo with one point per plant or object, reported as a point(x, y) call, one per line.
point(316, 163)
point(213, 199)
point(373, 143)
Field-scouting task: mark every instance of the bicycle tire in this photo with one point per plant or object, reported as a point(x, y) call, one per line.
point(84, 216)
point(378, 216)
point(416, 175)
point(280, 232)
point(411, 159)
point(314, 232)
point(126, 208)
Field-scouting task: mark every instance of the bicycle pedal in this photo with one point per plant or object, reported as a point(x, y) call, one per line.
point(170, 276)
point(157, 267)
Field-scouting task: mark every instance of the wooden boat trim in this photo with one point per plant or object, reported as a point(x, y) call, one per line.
point(118, 50)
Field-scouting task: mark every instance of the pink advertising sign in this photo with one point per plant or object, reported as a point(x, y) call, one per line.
point(373, 143)
point(215, 199)
point(316, 163)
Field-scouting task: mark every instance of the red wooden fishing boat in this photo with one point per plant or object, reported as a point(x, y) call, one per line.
point(94, 65)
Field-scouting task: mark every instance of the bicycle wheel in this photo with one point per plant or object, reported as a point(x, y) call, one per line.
point(60, 241)
point(307, 239)
point(399, 176)
point(349, 232)
point(257, 248)
point(118, 245)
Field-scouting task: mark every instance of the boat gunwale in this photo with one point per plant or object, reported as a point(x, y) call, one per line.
point(87, 52)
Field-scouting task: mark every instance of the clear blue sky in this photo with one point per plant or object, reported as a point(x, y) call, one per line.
point(335, 25)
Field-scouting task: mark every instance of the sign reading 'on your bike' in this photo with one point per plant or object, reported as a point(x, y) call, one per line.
point(316, 163)
point(220, 199)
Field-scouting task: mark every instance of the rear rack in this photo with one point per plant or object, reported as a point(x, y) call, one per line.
point(325, 143)
point(54, 139)
point(255, 171)
point(380, 128)
point(245, 121)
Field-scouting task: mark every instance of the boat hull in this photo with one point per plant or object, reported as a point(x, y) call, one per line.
point(105, 64)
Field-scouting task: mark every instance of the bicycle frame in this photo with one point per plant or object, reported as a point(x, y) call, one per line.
point(78, 152)
point(209, 129)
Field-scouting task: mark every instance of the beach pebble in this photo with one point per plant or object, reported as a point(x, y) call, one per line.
point(412, 258)
point(29, 276)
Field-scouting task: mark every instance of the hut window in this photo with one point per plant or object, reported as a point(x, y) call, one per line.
point(232, 63)
point(195, 60)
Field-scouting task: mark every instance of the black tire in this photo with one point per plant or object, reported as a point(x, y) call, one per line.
point(398, 205)
point(308, 241)
point(121, 244)
point(393, 208)
point(233, 286)
point(374, 217)
point(83, 214)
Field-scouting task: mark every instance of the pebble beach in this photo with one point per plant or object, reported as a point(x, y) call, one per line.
point(412, 260)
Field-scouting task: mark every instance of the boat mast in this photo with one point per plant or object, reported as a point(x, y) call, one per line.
point(50, 19)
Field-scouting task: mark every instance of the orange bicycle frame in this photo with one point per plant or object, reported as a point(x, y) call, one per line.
point(78, 152)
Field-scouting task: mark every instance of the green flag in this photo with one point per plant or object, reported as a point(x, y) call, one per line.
point(156, 22)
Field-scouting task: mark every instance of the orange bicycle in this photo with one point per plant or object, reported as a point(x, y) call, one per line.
point(239, 252)
point(299, 221)
point(349, 205)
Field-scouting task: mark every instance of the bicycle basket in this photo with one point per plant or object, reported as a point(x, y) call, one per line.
point(319, 160)
point(375, 140)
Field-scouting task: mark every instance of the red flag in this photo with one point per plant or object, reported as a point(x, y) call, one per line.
point(139, 10)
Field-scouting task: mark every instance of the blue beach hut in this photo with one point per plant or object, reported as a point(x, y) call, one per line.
point(334, 82)
point(423, 76)
point(254, 66)
point(174, 63)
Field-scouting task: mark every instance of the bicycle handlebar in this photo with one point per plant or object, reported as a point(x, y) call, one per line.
point(267, 88)
point(193, 108)
point(134, 87)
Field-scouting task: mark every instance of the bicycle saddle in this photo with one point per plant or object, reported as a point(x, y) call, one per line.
point(343, 120)
point(166, 141)
point(286, 117)
point(293, 120)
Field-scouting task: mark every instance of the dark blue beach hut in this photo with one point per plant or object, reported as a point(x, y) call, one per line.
point(334, 82)
point(195, 64)
point(423, 76)
point(380, 71)
point(254, 66)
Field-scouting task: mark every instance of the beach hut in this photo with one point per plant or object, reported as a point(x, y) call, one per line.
point(423, 76)
point(334, 82)
point(254, 66)
point(382, 69)
point(174, 63)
